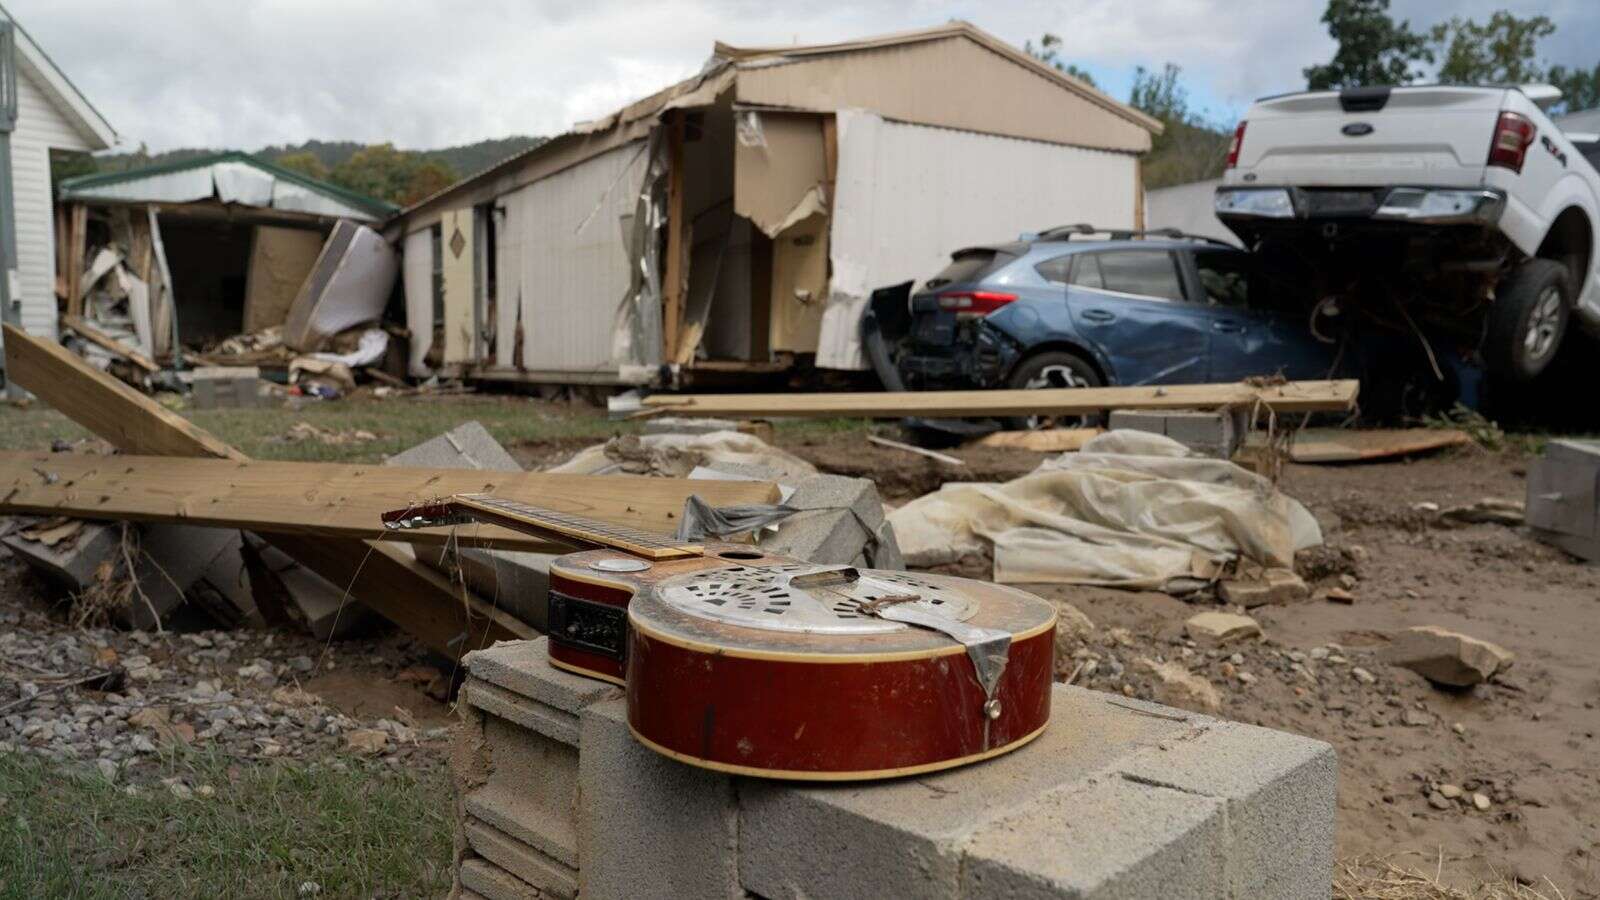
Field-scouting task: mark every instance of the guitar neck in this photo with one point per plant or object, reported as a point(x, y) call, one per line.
point(565, 528)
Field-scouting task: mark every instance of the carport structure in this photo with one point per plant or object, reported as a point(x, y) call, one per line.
point(737, 222)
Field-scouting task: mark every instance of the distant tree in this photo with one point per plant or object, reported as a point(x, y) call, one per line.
point(1189, 148)
point(1580, 89)
point(306, 163)
point(398, 176)
point(66, 164)
point(429, 177)
point(1048, 51)
point(1501, 51)
point(1372, 50)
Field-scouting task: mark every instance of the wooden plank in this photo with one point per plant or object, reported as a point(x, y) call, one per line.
point(1318, 445)
point(1052, 440)
point(1292, 397)
point(674, 278)
point(77, 236)
point(128, 419)
point(1138, 194)
point(385, 576)
point(935, 455)
point(95, 336)
point(339, 500)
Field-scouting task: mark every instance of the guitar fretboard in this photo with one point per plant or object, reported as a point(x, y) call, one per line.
point(526, 517)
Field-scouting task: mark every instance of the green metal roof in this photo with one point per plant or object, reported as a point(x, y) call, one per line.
point(84, 185)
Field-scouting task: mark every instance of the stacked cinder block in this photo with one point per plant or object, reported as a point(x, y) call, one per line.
point(1118, 798)
point(1216, 433)
point(224, 387)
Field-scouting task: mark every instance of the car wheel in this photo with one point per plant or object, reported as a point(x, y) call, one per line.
point(1052, 369)
point(1528, 319)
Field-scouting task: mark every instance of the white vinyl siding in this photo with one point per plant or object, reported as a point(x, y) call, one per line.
point(910, 195)
point(40, 127)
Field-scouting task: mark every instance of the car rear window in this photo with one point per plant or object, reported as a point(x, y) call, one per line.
point(969, 265)
point(1148, 273)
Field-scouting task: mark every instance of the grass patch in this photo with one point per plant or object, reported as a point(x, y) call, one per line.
point(271, 827)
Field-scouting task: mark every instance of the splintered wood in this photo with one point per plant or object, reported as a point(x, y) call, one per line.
point(1290, 397)
point(336, 499)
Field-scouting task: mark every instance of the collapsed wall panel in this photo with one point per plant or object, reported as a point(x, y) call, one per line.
point(909, 195)
point(456, 245)
point(280, 260)
point(572, 251)
point(349, 285)
point(780, 185)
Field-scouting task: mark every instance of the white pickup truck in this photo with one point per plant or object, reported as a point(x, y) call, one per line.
point(1462, 212)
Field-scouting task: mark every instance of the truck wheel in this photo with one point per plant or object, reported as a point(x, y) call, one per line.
point(1527, 319)
point(1052, 369)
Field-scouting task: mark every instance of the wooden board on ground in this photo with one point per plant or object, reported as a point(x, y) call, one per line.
point(338, 500)
point(1051, 440)
point(1334, 445)
point(1292, 397)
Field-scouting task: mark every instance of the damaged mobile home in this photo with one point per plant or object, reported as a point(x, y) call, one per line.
point(738, 221)
point(190, 253)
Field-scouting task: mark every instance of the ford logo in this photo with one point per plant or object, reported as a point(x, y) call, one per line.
point(1357, 129)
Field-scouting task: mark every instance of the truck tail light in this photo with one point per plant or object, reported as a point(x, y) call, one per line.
point(1513, 134)
point(1238, 141)
point(980, 302)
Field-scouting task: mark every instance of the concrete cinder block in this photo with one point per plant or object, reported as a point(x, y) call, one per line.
point(650, 826)
point(548, 876)
point(828, 536)
point(325, 608)
point(70, 564)
point(1104, 838)
point(481, 877)
point(1213, 433)
point(858, 495)
point(223, 387)
point(1031, 822)
point(466, 446)
point(523, 668)
point(1279, 792)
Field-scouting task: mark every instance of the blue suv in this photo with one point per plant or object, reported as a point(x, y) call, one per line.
point(1082, 307)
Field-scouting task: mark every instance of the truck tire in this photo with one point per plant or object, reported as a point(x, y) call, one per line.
point(1527, 319)
point(1051, 369)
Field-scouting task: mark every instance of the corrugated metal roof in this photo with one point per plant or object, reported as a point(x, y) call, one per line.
point(231, 178)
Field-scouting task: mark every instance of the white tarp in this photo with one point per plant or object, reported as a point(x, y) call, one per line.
point(907, 196)
point(677, 455)
point(1130, 510)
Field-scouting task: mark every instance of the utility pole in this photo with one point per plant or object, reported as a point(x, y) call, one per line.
point(10, 301)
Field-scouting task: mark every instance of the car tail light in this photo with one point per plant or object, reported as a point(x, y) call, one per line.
point(1513, 134)
point(981, 302)
point(1238, 141)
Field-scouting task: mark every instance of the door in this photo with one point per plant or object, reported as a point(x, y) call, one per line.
point(1255, 330)
point(1129, 305)
point(457, 233)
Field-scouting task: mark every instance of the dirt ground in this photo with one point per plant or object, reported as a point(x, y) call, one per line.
point(1525, 741)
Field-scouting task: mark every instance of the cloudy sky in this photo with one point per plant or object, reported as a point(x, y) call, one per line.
point(241, 74)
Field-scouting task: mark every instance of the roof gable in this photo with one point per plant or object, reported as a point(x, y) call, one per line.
point(59, 89)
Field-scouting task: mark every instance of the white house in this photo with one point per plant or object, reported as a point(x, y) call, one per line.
point(51, 115)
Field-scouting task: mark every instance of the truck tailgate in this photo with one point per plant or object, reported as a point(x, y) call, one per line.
point(1417, 135)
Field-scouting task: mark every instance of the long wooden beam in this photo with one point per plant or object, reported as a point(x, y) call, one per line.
point(337, 500)
point(1292, 397)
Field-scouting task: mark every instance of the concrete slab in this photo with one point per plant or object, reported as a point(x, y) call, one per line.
point(466, 446)
point(494, 883)
point(651, 827)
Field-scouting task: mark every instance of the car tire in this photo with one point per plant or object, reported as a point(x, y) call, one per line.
point(1057, 369)
point(1528, 319)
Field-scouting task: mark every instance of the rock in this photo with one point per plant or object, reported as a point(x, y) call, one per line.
point(150, 717)
point(1275, 586)
point(367, 740)
point(1177, 686)
point(1073, 629)
point(1450, 791)
point(1480, 801)
point(1246, 678)
point(108, 769)
point(1340, 595)
point(205, 790)
point(1446, 657)
point(1437, 801)
point(1363, 676)
point(1217, 628)
point(1415, 718)
point(1459, 728)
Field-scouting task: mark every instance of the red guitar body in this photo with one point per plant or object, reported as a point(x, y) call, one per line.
point(799, 705)
point(755, 664)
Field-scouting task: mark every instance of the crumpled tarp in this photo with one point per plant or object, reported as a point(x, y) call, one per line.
point(1131, 510)
point(701, 520)
point(676, 455)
